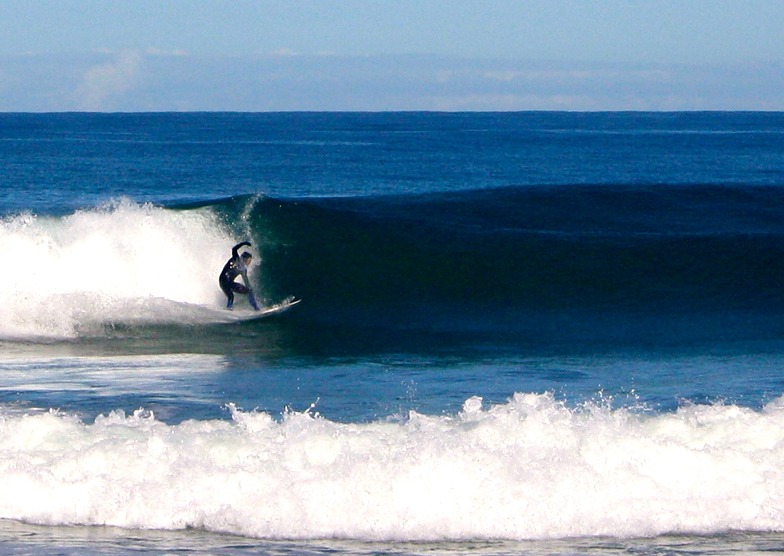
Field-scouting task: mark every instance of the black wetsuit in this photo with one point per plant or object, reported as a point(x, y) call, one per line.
point(235, 267)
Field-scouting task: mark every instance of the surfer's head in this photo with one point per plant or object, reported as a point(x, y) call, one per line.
point(246, 257)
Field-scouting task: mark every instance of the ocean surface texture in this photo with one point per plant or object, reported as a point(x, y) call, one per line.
point(522, 333)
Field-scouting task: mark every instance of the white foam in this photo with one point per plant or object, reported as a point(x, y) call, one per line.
point(121, 263)
point(530, 468)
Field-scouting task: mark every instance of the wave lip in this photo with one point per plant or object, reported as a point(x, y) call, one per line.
point(528, 469)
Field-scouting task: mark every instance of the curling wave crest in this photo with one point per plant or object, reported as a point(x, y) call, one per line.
point(121, 263)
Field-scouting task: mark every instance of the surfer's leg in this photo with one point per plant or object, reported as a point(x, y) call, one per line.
point(252, 299)
point(236, 287)
point(227, 290)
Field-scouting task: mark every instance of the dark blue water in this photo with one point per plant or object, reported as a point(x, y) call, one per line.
point(509, 304)
point(183, 157)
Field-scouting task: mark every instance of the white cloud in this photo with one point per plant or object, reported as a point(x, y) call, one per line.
point(159, 52)
point(513, 102)
point(160, 81)
point(285, 52)
point(102, 84)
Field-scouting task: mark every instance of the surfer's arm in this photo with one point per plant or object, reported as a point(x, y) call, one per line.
point(235, 251)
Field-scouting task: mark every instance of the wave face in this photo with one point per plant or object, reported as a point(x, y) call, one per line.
point(603, 261)
point(531, 259)
point(528, 469)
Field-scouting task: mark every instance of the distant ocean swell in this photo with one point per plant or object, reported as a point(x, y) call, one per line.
point(528, 469)
point(500, 260)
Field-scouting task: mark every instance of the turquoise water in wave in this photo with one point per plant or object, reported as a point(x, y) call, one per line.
point(540, 333)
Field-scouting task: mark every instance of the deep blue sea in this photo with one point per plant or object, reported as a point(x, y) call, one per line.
point(520, 333)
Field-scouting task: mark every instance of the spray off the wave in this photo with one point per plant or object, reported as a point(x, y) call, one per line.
point(121, 263)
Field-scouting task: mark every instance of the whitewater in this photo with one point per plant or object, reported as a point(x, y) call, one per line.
point(528, 469)
point(120, 263)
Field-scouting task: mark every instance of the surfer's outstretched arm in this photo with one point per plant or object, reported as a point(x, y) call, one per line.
point(235, 251)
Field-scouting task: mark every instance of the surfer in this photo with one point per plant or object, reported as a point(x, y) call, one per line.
point(237, 265)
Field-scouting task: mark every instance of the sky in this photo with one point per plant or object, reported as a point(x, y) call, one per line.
point(264, 55)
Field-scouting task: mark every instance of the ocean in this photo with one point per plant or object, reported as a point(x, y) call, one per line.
point(519, 333)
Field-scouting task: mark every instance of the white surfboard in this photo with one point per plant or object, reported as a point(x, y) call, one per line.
point(285, 305)
point(202, 314)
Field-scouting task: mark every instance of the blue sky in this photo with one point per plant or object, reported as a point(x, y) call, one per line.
point(135, 55)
